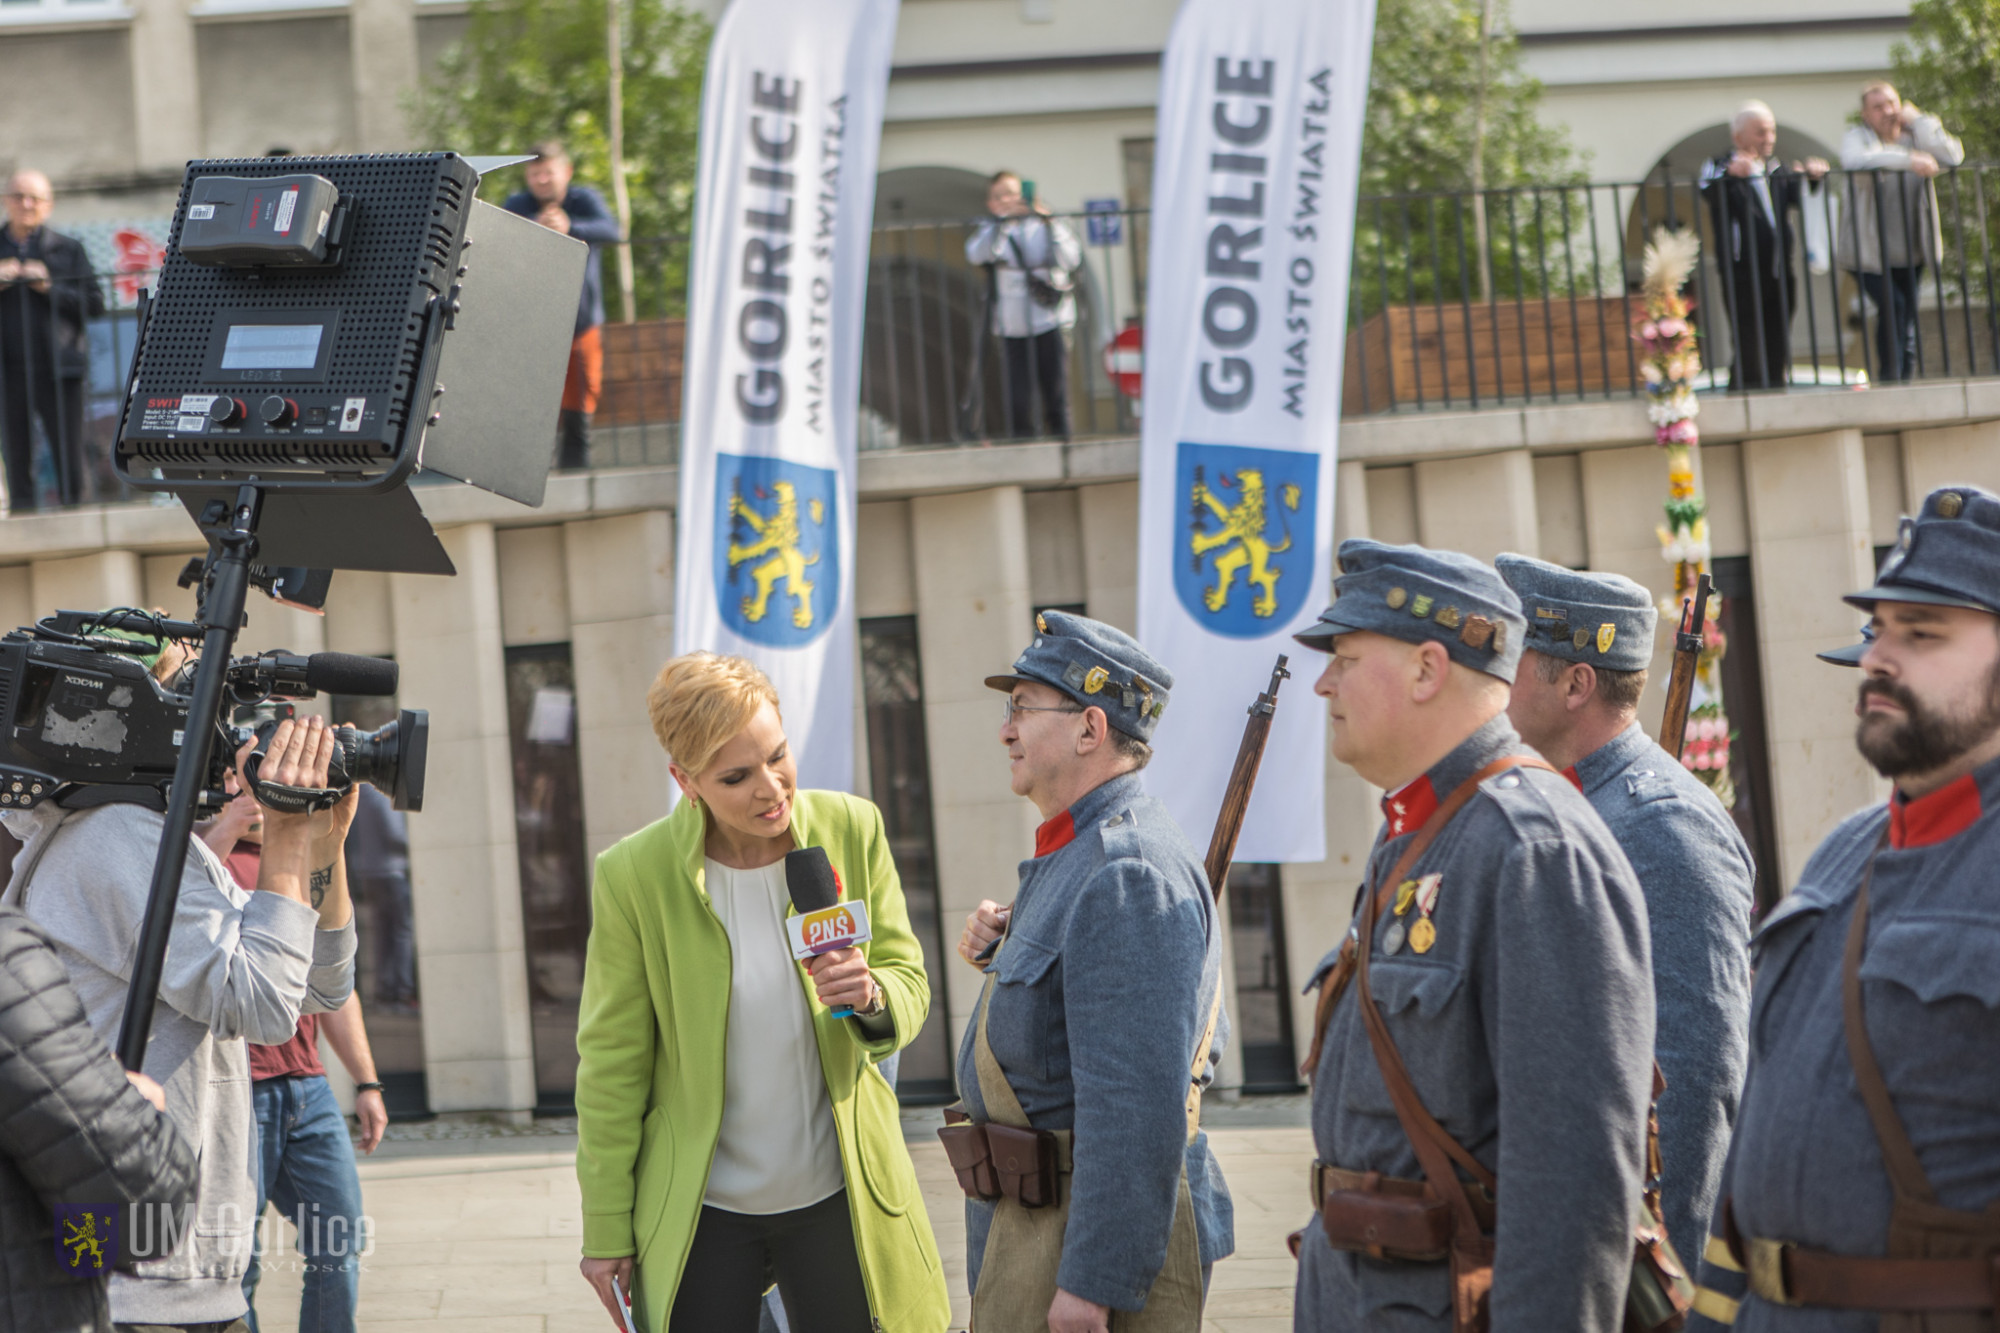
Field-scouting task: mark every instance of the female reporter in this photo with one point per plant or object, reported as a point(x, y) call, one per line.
point(730, 1129)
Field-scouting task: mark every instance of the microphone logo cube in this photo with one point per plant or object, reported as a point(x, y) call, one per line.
point(838, 927)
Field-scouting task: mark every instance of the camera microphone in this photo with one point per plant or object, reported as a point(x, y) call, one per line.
point(351, 673)
point(824, 923)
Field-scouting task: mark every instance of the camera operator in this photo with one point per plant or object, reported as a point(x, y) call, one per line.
point(239, 965)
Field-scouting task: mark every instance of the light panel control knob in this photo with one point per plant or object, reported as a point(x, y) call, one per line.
point(227, 411)
point(278, 411)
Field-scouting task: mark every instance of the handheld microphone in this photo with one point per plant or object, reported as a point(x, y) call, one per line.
point(824, 923)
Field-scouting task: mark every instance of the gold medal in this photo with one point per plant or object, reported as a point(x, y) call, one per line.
point(1406, 896)
point(1422, 935)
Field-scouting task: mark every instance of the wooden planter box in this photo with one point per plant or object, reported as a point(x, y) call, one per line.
point(1405, 355)
point(642, 372)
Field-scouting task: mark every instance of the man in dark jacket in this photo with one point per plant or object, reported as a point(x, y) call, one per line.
point(47, 293)
point(1751, 195)
point(74, 1129)
point(576, 211)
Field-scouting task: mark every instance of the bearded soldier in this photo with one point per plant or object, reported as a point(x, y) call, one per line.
point(1862, 1189)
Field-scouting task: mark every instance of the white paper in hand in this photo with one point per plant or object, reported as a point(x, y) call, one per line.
point(624, 1306)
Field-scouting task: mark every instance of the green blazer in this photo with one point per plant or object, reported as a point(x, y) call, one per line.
point(651, 1038)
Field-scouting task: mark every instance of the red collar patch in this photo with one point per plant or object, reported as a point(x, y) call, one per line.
point(1409, 806)
point(1055, 835)
point(1944, 813)
point(1574, 780)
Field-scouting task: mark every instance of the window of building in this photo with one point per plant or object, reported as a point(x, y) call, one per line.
point(1263, 990)
point(385, 960)
point(555, 883)
point(60, 11)
point(899, 765)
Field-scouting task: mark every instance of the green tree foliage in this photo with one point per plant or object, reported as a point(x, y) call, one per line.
point(1950, 66)
point(1424, 102)
point(529, 69)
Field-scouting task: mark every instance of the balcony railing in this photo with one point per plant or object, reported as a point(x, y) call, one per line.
point(1458, 301)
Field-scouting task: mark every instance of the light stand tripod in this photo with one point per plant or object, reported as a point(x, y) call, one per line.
point(232, 546)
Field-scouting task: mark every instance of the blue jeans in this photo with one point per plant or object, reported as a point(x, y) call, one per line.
point(305, 1165)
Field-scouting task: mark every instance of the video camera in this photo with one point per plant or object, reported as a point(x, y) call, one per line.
point(88, 724)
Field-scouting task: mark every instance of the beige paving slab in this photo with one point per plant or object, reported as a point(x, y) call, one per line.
point(488, 1242)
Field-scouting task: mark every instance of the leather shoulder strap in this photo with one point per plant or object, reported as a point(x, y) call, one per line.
point(1906, 1170)
point(1436, 1149)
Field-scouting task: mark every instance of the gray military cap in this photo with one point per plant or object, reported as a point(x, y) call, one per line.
point(1852, 653)
point(1096, 665)
point(1948, 555)
point(1604, 620)
point(1419, 595)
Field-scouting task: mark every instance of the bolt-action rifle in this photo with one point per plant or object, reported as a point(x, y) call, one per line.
point(1687, 655)
point(1242, 779)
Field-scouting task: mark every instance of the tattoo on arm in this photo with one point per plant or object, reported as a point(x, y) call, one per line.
point(322, 880)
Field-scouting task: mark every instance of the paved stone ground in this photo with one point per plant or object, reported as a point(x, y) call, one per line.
point(477, 1226)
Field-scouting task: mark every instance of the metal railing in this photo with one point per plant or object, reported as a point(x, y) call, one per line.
point(1790, 290)
point(1458, 301)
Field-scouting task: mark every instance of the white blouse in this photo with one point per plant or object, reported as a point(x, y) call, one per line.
point(778, 1150)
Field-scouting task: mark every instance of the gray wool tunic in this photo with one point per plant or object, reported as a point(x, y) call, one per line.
point(1112, 958)
point(1805, 1165)
point(1528, 1032)
point(1699, 880)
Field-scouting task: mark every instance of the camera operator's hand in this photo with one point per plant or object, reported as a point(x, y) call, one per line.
point(296, 861)
point(242, 818)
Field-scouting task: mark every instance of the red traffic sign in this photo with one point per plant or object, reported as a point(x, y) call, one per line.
point(1124, 357)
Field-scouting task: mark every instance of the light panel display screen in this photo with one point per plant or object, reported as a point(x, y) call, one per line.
point(272, 346)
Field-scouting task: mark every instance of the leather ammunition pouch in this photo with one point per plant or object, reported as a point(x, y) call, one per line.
point(1029, 1164)
point(995, 1161)
point(1382, 1216)
point(971, 1158)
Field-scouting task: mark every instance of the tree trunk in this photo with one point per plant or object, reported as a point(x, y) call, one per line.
point(1479, 238)
point(621, 198)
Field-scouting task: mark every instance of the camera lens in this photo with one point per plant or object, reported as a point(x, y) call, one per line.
point(390, 758)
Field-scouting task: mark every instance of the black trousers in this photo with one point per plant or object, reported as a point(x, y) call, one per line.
point(1763, 331)
point(808, 1252)
point(58, 402)
point(1895, 302)
point(1040, 361)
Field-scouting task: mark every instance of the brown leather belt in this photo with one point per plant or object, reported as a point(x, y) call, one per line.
point(1787, 1274)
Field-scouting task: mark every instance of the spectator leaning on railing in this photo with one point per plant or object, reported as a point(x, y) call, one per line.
point(1887, 235)
point(47, 295)
point(1752, 196)
point(1032, 259)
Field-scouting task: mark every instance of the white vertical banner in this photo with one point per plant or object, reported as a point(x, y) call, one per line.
point(1255, 171)
point(791, 120)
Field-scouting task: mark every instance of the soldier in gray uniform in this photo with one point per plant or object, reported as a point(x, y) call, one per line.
point(1510, 970)
point(1590, 639)
point(1098, 1002)
point(1862, 1189)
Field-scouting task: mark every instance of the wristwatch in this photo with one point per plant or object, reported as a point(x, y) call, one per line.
point(367, 1087)
point(876, 1007)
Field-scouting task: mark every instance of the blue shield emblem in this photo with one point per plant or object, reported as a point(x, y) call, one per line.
point(1243, 556)
point(777, 553)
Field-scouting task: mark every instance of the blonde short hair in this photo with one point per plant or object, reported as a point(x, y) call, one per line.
point(700, 700)
point(1878, 86)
